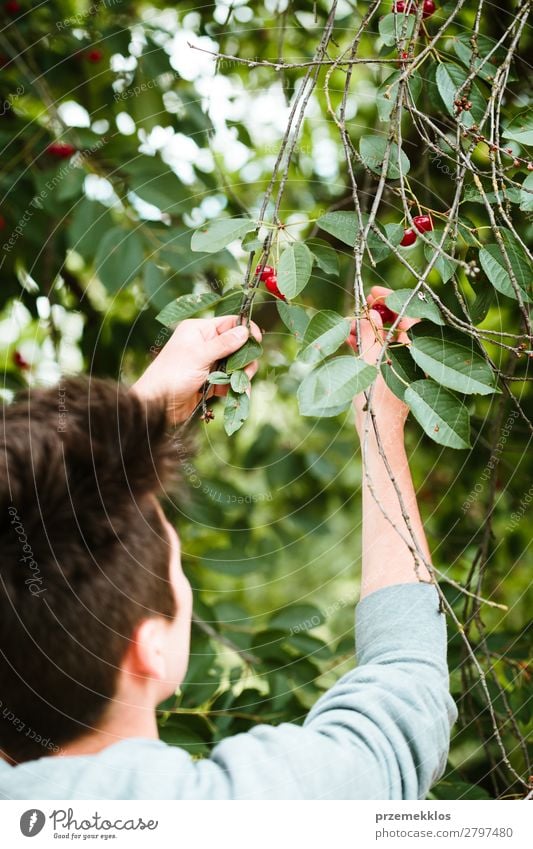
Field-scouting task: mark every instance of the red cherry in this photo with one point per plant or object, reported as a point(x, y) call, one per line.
point(399, 8)
point(428, 7)
point(95, 56)
point(61, 150)
point(271, 284)
point(409, 238)
point(266, 272)
point(388, 316)
point(404, 56)
point(19, 360)
point(423, 223)
point(12, 7)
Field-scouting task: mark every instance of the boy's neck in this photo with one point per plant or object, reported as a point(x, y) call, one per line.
point(126, 725)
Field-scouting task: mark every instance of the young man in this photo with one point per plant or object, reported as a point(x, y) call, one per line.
point(95, 610)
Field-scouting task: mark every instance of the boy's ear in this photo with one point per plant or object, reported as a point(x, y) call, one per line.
point(145, 657)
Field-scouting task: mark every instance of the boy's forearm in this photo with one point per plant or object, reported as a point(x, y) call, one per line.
point(387, 559)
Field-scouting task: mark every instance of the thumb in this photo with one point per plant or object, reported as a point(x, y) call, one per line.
point(226, 343)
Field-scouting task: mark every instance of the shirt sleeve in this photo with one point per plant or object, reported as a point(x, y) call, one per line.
point(381, 732)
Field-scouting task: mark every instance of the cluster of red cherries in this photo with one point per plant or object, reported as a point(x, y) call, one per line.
point(428, 7)
point(423, 224)
point(268, 277)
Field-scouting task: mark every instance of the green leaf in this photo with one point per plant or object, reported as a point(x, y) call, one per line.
point(441, 415)
point(90, 223)
point(484, 299)
point(377, 248)
point(508, 193)
point(216, 234)
point(230, 304)
point(251, 350)
point(326, 256)
point(388, 92)
point(399, 370)
point(236, 411)
point(394, 233)
point(251, 242)
point(495, 267)
point(330, 388)
point(464, 231)
point(324, 335)
point(463, 51)
point(393, 25)
point(345, 227)
point(373, 149)
point(155, 60)
point(186, 306)
point(160, 285)
point(153, 278)
point(294, 269)
point(445, 267)
point(421, 305)
point(526, 194)
point(297, 617)
point(308, 646)
point(520, 129)
point(148, 109)
point(342, 225)
point(71, 185)
point(451, 359)
point(450, 77)
point(458, 790)
point(294, 318)
point(218, 378)
point(239, 382)
point(175, 251)
point(156, 183)
point(119, 258)
point(178, 733)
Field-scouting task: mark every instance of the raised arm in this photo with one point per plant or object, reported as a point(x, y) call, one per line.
point(382, 731)
point(392, 527)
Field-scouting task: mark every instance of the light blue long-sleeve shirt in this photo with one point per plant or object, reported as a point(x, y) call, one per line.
point(381, 732)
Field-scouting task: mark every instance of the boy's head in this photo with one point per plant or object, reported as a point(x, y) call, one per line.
point(93, 603)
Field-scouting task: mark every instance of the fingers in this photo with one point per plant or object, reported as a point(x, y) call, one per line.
point(226, 322)
point(251, 369)
point(352, 338)
point(377, 293)
point(219, 391)
point(230, 336)
point(404, 324)
point(371, 336)
point(403, 338)
point(226, 343)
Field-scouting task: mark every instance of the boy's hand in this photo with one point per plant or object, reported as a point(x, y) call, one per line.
point(181, 368)
point(390, 413)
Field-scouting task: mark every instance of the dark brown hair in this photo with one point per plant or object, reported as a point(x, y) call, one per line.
point(84, 554)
